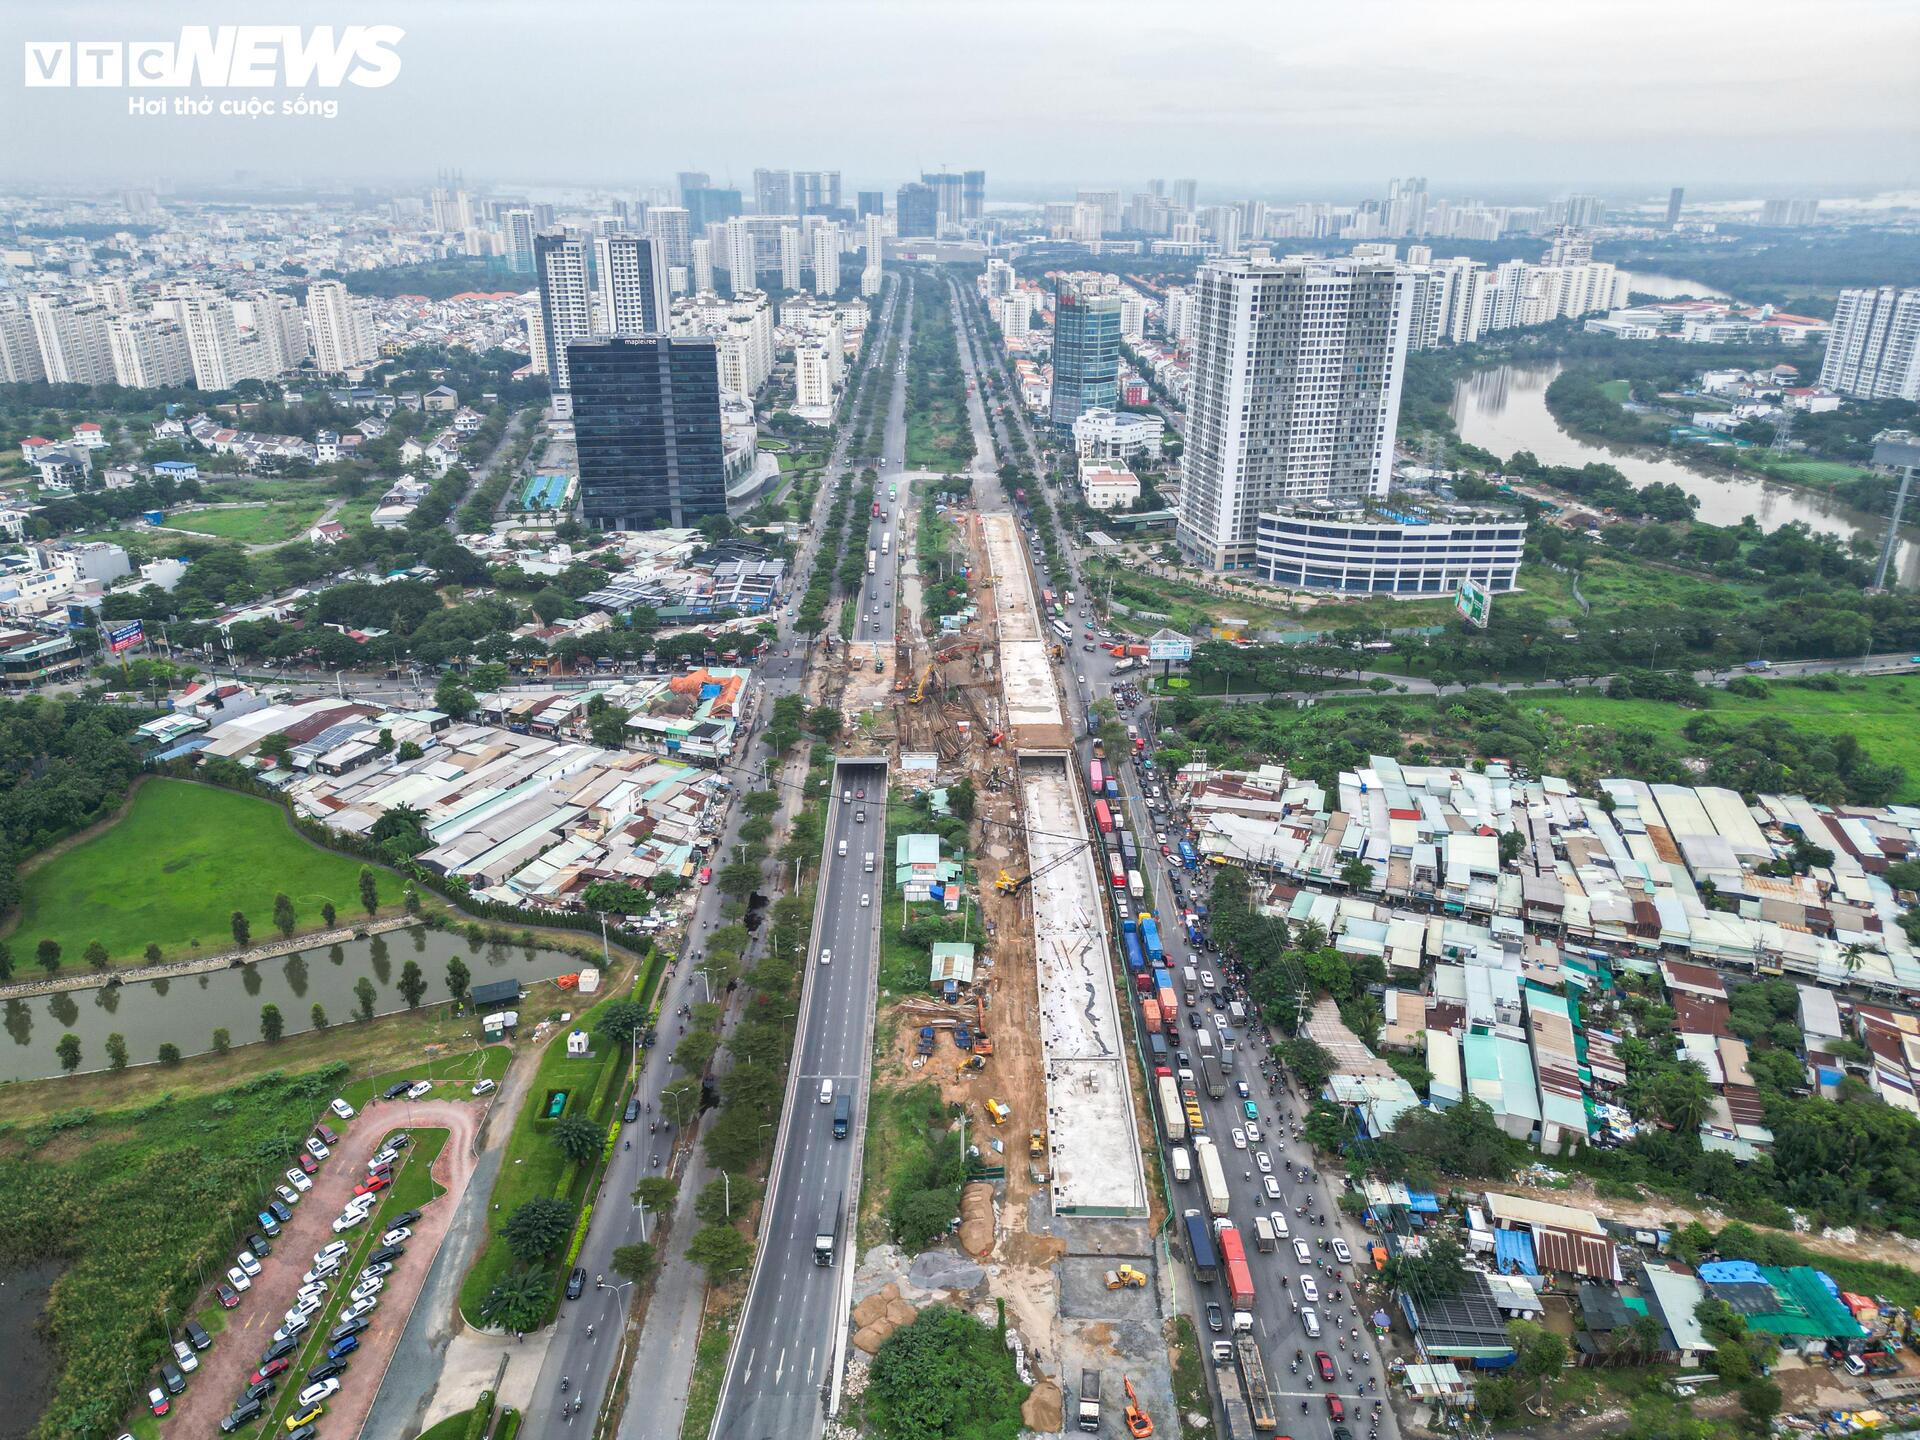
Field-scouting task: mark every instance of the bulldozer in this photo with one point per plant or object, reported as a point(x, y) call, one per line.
point(1125, 1278)
point(1036, 1143)
point(1139, 1426)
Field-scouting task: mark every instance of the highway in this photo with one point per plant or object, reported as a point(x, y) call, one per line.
point(1279, 1330)
point(794, 1318)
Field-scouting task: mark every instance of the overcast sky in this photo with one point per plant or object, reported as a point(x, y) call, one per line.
point(1272, 97)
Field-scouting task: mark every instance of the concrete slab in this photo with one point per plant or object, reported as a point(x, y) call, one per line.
point(1084, 1294)
point(1091, 1124)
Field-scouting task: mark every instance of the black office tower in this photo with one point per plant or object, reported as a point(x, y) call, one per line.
point(646, 421)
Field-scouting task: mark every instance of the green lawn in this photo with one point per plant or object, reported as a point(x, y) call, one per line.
point(1883, 712)
point(450, 1073)
point(251, 524)
point(1616, 390)
point(1816, 473)
point(533, 1165)
point(174, 870)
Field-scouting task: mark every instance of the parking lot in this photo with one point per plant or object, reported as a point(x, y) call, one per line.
point(214, 1387)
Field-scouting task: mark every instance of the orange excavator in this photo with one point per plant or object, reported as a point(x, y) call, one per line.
point(981, 1044)
point(1138, 1424)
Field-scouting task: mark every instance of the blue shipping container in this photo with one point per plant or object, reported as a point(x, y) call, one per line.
point(1113, 788)
point(1135, 959)
point(1189, 856)
point(1162, 978)
point(1150, 937)
point(1206, 1268)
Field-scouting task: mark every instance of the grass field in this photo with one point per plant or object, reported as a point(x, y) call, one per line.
point(1884, 713)
point(251, 524)
point(173, 871)
point(1816, 473)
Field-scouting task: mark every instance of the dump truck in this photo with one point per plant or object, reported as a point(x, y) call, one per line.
point(1213, 1177)
point(1087, 1413)
point(1253, 1374)
point(1125, 1278)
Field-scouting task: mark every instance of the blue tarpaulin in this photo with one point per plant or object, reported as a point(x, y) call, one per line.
point(1731, 1272)
point(1513, 1250)
point(1421, 1204)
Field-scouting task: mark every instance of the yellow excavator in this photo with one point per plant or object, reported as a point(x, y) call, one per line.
point(920, 690)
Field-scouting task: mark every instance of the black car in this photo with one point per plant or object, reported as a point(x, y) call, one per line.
point(259, 1390)
point(1216, 1318)
point(387, 1254)
point(278, 1349)
point(405, 1217)
point(633, 1110)
point(281, 1211)
point(576, 1282)
point(257, 1243)
point(394, 1092)
point(326, 1370)
point(245, 1413)
point(174, 1380)
point(196, 1337)
point(346, 1328)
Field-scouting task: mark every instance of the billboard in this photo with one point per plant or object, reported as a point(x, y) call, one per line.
point(125, 637)
point(1474, 602)
point(1168, 645)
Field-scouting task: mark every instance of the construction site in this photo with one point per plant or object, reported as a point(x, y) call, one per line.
point(1032, 1049)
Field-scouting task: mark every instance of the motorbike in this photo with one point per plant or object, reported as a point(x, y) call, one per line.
point(564, 1382)
point(629, 1145)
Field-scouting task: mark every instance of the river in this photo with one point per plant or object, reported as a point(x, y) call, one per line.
point(1504, 410)
point(187, 1010)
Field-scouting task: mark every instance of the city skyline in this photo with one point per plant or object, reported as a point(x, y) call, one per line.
point(1311, 101)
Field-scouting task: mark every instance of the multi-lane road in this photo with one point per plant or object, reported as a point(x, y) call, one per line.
point(792, 1327)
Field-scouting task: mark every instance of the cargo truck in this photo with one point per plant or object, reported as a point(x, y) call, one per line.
point(1172, 1113)
point(1233, 1405)
point(1263, 1237)
point(1087, 1412)
point(1150, 1012)
point(1206, 1265)
point(1189, 857)
point(1182, 1164)
point(1103, 817)
point(1150, 940)
point(1136, 887)
point(1161, 1056)
point(1169, 1008)
point(827, 1233)
point(1253, 1375)
point(1136, 957)
point(1210, 1075)
point(1213, 1177)
point(1233, 1260)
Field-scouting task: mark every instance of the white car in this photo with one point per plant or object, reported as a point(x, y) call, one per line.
point(294, 1326)
point(316, 1149)
point(362, 1205)
point(342, 1109)
point(366, 1288)
point(1206, 976)
point(322, 1270)
point(1160, 837)
point(239, 1278)
point(297, 1178)
point(383, 1158)
point(348, 1220)
point(1302, 1253)
point(418, 1088)
point(1239, 1138)
point(317, 1287)
point(865, 901)
point(287, 1194)
point(399, 1235)
point(305, 1305)
point(361, 1307)
point(1308, 1289)
point(185, 1358)
point(332, 1250)
point(247, 1263)
point(1260, 1159)
point(826, 957)
point(316, 1392)
point(1253, 1133)
point(1342, 1253)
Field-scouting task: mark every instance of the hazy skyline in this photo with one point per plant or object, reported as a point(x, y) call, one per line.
point(1509, 95)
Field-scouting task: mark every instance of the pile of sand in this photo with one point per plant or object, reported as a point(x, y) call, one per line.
point(878, 1316)
point(1044, 1410)
point(976, 1218)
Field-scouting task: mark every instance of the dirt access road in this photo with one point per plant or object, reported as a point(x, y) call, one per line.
point(212, 1390)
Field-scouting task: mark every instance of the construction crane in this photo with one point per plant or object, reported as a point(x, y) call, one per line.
point(1010, 885)
point(1138, 1424)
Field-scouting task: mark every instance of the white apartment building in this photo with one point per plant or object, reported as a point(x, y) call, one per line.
point(149, 352)
point(632, 272)
point(1015, 315)
point(74, 348)
point(566, 314)
point(1295, 395)
point(1133, 316)
point(280, 326)
point(826, 260)
point(1874, 352)
point(669, 227)
point(343, 333)
point(1108, 487)
point(742, 329)
point(789, 257)
point(1176, 315)
point(19, 347)
point(702, 266)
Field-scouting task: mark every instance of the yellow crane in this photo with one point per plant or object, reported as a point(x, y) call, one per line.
point(920, 690)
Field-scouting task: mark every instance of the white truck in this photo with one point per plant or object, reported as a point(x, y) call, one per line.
point(1172, 1112)
point(1182, 1165)
point(1213, 1177)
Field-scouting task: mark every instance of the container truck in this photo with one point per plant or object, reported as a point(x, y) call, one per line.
point(1213, 1178)
point(1162, 1058)
point(1172, 1113)
point(871, 558)
point(1096, 778)
point(1162, 978)
point(1253, 1375)
point(1087, 1412)
point(1233, 1402)
point(1150, 1012)
point(1136, 887)
point(1120, 667)
point(1169, 1008)
point(1113, 788)
point(1103, 817)
point(1233, 1261)
point(1210, 1075)
point(1150, 938)
point(827, 1233)
point(1182, 1164)
point(1206, 1265)
point(1189, 857)
point(1263, 1236)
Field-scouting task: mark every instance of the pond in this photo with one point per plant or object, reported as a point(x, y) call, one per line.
point(1504, 410)
point(187, 1010)
point(26, 1380)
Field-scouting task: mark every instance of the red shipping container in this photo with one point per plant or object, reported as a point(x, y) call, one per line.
point(1169, 1007)
point(1150, 1008)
